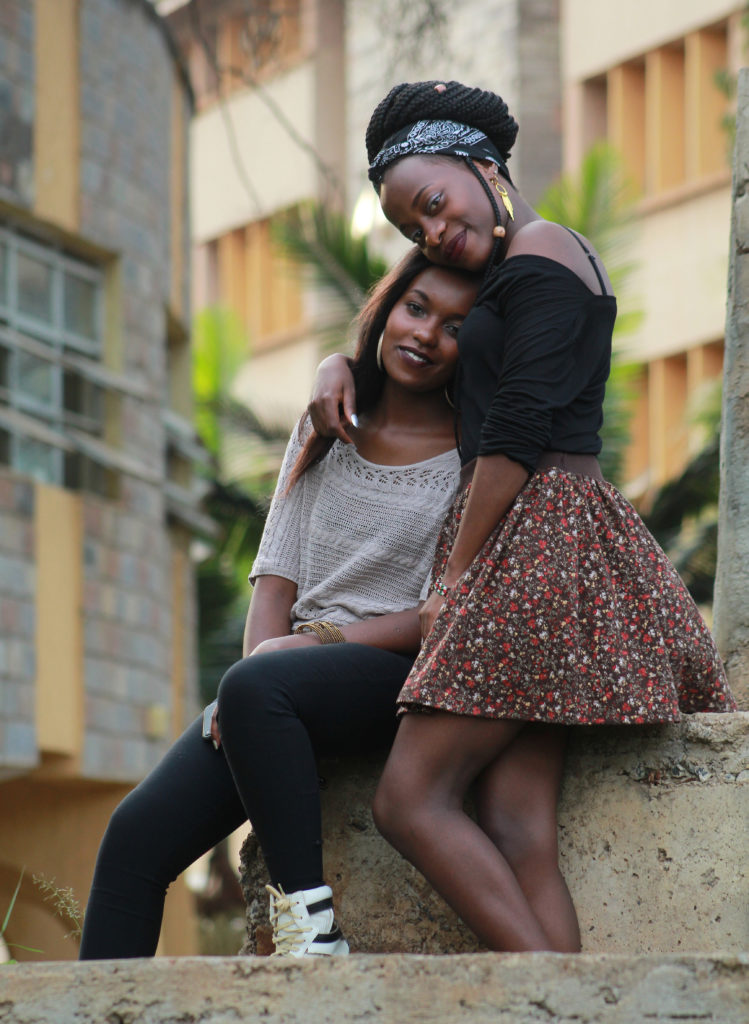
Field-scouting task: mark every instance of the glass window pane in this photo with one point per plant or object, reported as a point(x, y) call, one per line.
point(35, 380)
point(36, 459)
point(83, 398)
point(34, 287)
point(80, 307)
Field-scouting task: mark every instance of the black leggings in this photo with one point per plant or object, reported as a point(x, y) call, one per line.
point(277, 711)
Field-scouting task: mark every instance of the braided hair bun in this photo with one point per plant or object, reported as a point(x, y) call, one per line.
point(415, 101)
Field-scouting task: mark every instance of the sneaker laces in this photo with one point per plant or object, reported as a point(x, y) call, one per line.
point(288, 935)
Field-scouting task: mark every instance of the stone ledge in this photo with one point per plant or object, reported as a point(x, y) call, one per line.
point(486, 988)
point(652, 844)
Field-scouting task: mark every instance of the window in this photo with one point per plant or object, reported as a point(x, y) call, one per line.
point(51, 319)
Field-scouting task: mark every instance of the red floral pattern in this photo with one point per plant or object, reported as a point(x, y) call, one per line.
point(570, 613)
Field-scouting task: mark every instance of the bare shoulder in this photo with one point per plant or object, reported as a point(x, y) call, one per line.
point(545, 238)
point(540, 238)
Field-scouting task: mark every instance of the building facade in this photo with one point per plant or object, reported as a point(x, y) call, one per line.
point(284, 92)
point(98, 495)
point(656, 81)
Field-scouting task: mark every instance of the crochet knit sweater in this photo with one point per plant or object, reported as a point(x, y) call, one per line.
point(357, 538)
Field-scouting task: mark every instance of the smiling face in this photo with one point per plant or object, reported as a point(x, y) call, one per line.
point(419, 349)
point(440, 206)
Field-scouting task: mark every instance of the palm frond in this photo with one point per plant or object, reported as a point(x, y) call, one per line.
point(321, 238)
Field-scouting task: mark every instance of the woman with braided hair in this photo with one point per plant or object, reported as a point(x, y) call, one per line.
point(551, 605)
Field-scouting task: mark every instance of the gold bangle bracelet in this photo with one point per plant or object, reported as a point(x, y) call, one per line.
point(327, 632)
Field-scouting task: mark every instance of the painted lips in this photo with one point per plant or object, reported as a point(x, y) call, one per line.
point(454, 249)
point(413, 357)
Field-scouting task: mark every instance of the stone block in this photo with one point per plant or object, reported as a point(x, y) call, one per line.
point(652, 824)
point(492, 988)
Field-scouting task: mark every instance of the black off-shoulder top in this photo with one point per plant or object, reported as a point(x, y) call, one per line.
point(535, 354)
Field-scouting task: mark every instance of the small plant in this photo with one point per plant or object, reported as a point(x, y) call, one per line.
point(11, 905)
point(64, 904)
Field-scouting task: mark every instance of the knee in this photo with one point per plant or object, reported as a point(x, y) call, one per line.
point(235, 683)
point(394, 808)
point(125, 834)
point(243, 689)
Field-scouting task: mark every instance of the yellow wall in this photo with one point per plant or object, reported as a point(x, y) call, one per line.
point(55, 830)
point(181, 569)
point(177, 194)
point(56, 117)
point(58, 532)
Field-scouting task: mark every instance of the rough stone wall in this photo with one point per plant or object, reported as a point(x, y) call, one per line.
point(520, 988)
point(125, 96)
point(127, 637)
point(652, 824)
point(731, 602)
point(17, 623)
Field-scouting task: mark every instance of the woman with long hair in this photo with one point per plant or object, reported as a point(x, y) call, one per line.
point(550, 605)
point(331, 634)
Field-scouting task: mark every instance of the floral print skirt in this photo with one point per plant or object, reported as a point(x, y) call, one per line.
point(571, 613)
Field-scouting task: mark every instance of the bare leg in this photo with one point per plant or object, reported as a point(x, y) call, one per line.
point(516, 804)
point(419, 809)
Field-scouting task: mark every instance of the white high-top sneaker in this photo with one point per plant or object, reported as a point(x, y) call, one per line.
point(303, 923)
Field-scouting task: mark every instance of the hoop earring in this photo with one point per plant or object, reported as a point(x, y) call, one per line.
point(504, 196)
point(447, 397)
point(380, 367)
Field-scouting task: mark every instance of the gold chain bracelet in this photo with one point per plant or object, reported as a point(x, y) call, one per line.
point(327, 632)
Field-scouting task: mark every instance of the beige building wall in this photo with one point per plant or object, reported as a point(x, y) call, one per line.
point(270, 140)
point(599, 35)
point(647, 77)
point(279, 174)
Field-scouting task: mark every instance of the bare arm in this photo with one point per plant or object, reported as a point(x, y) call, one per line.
point(333, 403)
point(497, 481)
point(269, 614)
point(397, 631)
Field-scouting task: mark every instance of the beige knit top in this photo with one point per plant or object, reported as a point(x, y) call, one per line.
point(357, 538)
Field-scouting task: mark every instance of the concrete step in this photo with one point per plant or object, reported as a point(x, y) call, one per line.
point(652, 825)
point(491, 988)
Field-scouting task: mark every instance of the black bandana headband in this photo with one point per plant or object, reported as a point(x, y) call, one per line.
point(447, 138)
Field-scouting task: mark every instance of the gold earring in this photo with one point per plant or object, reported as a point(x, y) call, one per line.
point(504, 196)
point(498, 231)
point(380, 367)
point(448, 399)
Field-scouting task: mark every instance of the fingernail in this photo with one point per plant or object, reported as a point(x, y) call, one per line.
point(354, 419)
point(215, 745)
